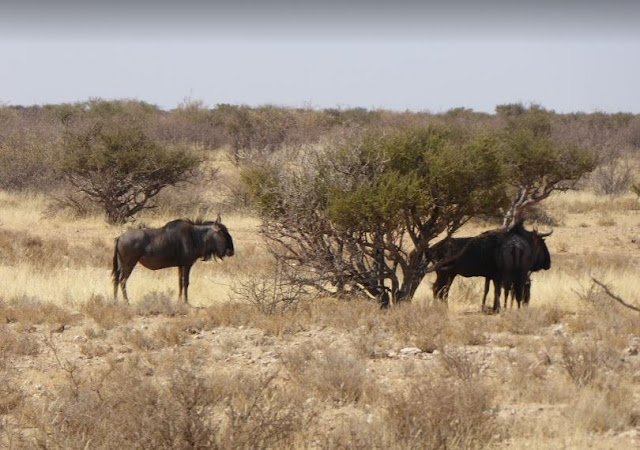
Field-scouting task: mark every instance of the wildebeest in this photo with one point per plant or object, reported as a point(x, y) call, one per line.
point(177, 244)
point(526, 293)
point(468, 257)
point(522, 252)
point(504, 256)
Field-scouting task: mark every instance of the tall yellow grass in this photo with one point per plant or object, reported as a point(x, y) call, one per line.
point(580, 248)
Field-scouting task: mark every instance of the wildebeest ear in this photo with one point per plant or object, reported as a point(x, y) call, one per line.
point(218, 219)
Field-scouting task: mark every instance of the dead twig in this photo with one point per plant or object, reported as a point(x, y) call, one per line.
point(614, 296)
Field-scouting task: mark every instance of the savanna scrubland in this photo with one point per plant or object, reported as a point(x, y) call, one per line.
point(248, 367)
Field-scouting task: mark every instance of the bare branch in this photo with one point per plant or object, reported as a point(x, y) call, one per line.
point(614, 296)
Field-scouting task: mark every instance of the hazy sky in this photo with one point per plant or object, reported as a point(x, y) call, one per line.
point(567, 56)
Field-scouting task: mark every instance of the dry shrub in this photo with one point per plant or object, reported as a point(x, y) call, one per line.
point(606, 405)
point(441, 412)
point(458, 364)
point(371, 342)
point(585, 361)
point(48, 254)
point(29, 161)
point(470, 331)
point(68, 203)
point(526, 376)
point(164, 335)
point(346, 314)
point(605, 220)
point(331, 372)
point(234, 315)
point(270, 294)
point(157, 303)
point(11, 395)
point(184, 405)
point(15, 344)
point(528, 320)
point(92, 349)
point(171, 334)
point(421, 326)
point(259, 414)
point(106, 313)
point(30, 310)
point(354, 429)
point(590, 359)
point(229, 314)
point(604, 316)
point(614, 177)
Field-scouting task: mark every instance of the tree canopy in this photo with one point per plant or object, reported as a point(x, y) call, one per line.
point(121, 168)
point(360, 216)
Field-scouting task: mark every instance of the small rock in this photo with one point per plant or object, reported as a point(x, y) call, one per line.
point(119, 358)
point(124, 349)
point(410, 351)
point(149, 371)
point(392, 354)
point(559, 330)
point(57, 328)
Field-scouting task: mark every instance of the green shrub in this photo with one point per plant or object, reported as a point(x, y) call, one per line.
point(121, 168)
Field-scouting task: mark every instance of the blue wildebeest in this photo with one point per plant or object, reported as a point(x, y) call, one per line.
point(177, 244)
point(522, 252)
point(468, 257)
point(504, 256)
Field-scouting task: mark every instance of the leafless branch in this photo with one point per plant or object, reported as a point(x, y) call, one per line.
point(614, 296)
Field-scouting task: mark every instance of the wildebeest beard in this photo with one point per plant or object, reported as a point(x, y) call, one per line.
point(199, 238)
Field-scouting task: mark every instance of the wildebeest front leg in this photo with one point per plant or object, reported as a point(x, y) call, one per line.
point(487, 284)
point(180, 282)
point(496, 293)
point(185, 282)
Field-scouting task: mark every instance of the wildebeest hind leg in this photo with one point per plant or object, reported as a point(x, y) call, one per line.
point(180, 282)
point(124, 276)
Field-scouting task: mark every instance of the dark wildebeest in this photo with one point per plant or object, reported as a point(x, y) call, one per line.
point(522, 252)
point(468, 257)
point(504, 256)
point(177, 244)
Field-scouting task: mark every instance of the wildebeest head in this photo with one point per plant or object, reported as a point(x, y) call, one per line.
point(217, 241)
point(541, 256)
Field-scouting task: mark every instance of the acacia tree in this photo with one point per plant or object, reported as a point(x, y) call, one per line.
point(121, 168)
point(361, 216)
point(536, 164)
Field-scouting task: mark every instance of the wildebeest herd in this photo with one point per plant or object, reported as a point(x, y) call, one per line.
point(505, 257)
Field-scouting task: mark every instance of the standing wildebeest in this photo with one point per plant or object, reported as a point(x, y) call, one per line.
point(522, 252)
point(468, 257)
point(177, 244)
point(504, 256)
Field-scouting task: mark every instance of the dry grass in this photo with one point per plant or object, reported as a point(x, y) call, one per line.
point(78, 370)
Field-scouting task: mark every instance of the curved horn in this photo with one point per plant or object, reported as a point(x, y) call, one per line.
point(544, 234)
point(218, 219)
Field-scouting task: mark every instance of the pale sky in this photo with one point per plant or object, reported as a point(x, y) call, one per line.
point(422, 56)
